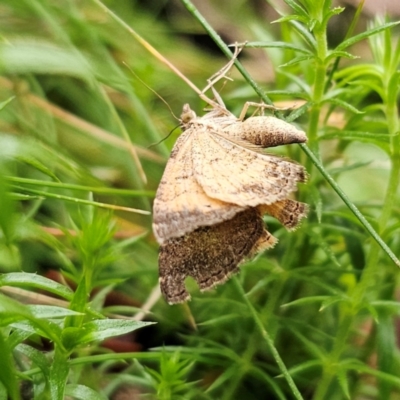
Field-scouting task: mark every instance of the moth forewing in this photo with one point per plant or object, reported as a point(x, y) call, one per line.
point(181, 205)
point(237, 175)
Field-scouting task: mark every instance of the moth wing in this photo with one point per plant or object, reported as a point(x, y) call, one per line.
point(229, 172)
point(181, 205)
point(288, 212)
point(211, 254)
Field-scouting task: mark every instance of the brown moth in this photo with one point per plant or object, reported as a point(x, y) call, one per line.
point(216, 186)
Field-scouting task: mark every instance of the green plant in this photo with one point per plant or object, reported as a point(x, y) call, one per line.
point(305, 320)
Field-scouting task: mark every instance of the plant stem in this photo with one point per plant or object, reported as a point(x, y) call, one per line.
point(368, 277)
point(269, 341)
point(350, 205)
point(59, 373)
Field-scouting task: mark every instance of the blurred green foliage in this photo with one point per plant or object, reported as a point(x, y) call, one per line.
point(80, 107)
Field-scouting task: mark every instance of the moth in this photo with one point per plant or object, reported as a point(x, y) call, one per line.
point(217, 185)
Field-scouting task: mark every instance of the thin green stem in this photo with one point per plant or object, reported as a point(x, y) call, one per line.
point(348, 312)
point(350, 205)
point(319, 84)
point(79, 201)
point(59, 373)
point(225, 49)
point(368, 277)
point(268, 340)
point(94, 189)
point(245, 363)
point(331, 365)
point(367, 280)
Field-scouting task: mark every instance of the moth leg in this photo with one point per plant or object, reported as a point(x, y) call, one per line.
point(260, 106)
point(221, 74)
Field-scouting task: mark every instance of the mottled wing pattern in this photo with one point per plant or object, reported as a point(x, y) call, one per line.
point(211, 254)
point(288, 212)
point(216, 186)
point(181, 206)
point(231, 173)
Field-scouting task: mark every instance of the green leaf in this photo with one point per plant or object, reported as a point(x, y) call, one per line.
point(279, 45)
point(306, 300)
point(344, 382)
point(364, 35)
point(222, 379)
point(372, 311)
point(59, 373)
point(77, 200)
point(33, 162)
point(37, 358)
point(334, 11)
point(318, 203)
point(99, 330)
point(83, 392)
point(3, 391)
point(332, 300)
point(291, 18)
point(8, 372)
point(386, 340)
point(12, 311)
point(310, 345)
point(44, 328)
point(298, 9)
point(94, 189)
point(378, 138)
point(105, 328)
point(364, 71)
point(305, 366)
point(305, 33)
point(4, 103)
point(24, 279)
point(7, 208)
point(17, 337)
point(301, 83)
point(390, 305)
point(362, 368)
point(298, 112)
point(343, 104)
point(34, 56)
point(340, 54)
point(290, 94)
point(296, 60)
point(321, 241)
point(47, 312)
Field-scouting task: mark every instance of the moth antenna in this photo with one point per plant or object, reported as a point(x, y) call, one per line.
point(153, 91)
point(164, 138)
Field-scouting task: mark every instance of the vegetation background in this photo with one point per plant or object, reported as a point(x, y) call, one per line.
point(314, 318)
